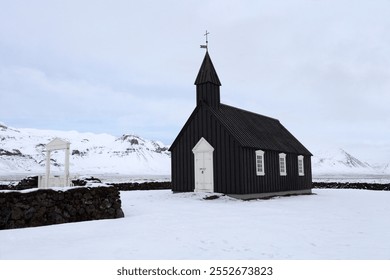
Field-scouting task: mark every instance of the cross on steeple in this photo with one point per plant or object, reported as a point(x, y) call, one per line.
point(207, 42)
point(207, 33)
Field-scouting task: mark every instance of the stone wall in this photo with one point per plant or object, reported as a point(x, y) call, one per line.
point(347, 185)
point(142, 186)
point(47, 207)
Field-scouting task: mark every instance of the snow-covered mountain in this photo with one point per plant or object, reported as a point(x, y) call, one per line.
point(23, 151)
point(338, 161)
point(384, 168)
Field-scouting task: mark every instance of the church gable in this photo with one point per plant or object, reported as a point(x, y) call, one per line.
point(202, 123)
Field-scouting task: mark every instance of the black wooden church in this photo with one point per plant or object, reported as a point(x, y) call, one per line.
point(236, 152)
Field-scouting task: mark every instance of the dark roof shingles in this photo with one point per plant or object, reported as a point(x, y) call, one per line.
point(257, 131)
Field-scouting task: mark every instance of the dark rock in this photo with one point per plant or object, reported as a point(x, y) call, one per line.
point(83, 181)
point(348, 185)
point(16, 214)
point(119, 213)
point(211, 197)
point(87, 196)
point(41, 212)
point(160, 150)
point(79, 182)
point(21, 206)
point(78, 153)
point(29, 213)
point(6, 187)
point(105, 204)
point(90, 209)
point(57, 210)
point(14, 152)
point(143, 186)
point(48, 202)
point(86, 201)
point(19, 223)
point(60, 196)
point(67, 215)
point(70, 209)
point(5, 215)
point(27, 183)
point(45, 207)
point(55, 218)
point(81, 212)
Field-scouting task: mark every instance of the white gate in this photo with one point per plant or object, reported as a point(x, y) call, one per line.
point(50, 181)
point(204, 174)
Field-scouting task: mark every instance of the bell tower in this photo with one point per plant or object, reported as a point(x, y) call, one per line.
point(207, 84)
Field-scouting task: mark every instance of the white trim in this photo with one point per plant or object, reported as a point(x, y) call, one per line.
point(203, 164)
point(282, 164)
point(301, 166)
point(259, 163)
point(202, 146)
point(57, 144)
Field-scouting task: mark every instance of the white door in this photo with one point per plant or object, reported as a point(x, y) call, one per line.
point(204, 176)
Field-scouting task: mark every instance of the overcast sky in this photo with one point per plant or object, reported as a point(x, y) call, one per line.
point(322, 67)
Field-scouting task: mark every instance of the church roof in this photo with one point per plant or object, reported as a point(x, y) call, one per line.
point(207, 72)
point(257, 131)
point(251, 130)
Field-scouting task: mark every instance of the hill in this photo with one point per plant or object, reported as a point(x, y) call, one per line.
point(22, 151)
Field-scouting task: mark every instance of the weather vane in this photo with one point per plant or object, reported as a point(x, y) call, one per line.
point(207, 42)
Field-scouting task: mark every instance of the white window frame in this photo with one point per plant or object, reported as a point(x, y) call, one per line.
point(282, 164)
point(301, 171)
point(260, 163)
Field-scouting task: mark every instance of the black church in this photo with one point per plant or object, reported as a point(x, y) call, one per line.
point(228, 150)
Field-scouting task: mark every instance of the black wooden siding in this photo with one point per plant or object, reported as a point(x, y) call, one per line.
point(234, 166)
point(209, 94)
point(272, 181)
point(225, 162)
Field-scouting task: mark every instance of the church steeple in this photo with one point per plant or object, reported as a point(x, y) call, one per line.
point(207, 84)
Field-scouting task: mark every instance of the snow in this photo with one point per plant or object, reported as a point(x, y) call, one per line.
point(132, 155)
point(90, 153)
point(338, 161)
point(332, 224)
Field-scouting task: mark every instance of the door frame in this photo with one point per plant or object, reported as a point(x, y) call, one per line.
point(203, 147)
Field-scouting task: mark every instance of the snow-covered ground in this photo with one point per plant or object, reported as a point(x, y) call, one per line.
point(332, 224)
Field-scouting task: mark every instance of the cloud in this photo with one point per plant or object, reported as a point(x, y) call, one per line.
point(321, 67)
point(32, 94)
